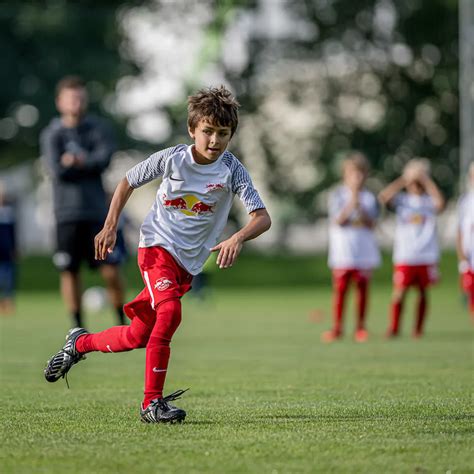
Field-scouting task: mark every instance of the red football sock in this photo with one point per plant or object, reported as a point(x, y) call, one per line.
point(471, 301)
point(117, 338)
point(396, 311)
point(362, 297)
point(338, 307)
point(421, 312)
point(158, 348)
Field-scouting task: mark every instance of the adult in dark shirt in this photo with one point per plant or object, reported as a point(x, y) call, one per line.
point(77, 149)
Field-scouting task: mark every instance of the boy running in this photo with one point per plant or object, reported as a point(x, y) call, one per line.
point(416, 251)
point(189, 214)
point(465, 241)
point(353, 251)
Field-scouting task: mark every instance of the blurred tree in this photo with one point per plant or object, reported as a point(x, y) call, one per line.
point(39, 43)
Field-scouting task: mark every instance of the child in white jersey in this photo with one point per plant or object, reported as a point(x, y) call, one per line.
point(184, 225)
point(416, 251)
point(465, 240)
point(353, 251)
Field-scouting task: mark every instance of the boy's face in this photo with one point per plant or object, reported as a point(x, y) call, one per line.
point(354, 177)
point(210, 141)
point(72, 101)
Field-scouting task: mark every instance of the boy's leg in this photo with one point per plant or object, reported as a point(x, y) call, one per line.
point(362, 282)
point(158, 348)
point(117, 338)
point(362, 297)
point(341, 280)
point(396, 309)
point(421, 311)
point(115, 289)
point(71, 293)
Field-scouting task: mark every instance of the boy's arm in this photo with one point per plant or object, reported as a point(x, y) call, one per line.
point(390, 191)
point(229, 249)
point(433, 191)
point(342, 218)
point(104, 241)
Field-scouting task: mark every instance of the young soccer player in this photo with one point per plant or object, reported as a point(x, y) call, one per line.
point(191, 209)
point(465, 241)
point(416, 251)
point(353, 251)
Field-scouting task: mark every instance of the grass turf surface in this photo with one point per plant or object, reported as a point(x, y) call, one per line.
point(266, 396)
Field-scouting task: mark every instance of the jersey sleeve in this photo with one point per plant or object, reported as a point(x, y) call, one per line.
point(242, 186)
point(151, 168)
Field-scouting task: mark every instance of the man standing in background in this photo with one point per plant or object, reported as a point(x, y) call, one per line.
point(77, 148)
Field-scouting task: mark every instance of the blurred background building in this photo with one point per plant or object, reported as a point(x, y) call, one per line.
point(315, 78)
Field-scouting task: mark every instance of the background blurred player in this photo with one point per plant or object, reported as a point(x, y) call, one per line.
point(416, 250)
point(465, 240)
point(353, 251)
point(77, 149)
point(8, 254)
point(183, 227)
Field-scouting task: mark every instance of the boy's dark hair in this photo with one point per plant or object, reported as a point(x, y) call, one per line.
point(70, 82)
point(216, 104)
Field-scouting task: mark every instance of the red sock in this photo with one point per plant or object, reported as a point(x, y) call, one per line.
point(117, 338)
point(470, 297)
point(362, 297)
point(338, 307)
point(158, 348)
point(396, 311)
point(421, 312)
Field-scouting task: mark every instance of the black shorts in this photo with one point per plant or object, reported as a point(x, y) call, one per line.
point(75, 243)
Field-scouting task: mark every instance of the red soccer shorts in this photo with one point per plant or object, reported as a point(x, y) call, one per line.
point(467, 281)
point(164, 279)
point(423, 276)
point(342, 277)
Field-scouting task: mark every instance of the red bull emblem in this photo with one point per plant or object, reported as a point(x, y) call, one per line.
point(189, 205)
point(214, 186)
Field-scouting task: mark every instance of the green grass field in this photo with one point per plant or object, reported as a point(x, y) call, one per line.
point(266, 396)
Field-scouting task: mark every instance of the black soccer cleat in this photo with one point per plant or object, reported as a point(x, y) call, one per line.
point(160, 411)
point(60, 364)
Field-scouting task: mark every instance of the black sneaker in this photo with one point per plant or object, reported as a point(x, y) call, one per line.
point(160, 411)
point(60, 364)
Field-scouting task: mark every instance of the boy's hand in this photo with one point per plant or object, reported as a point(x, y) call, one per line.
point(228, 251)
point(104, 243)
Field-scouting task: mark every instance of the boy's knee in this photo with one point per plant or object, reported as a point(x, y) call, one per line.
point(137, 339)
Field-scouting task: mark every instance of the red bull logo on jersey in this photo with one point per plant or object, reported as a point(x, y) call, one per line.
point(189, 205)
point(214, 186)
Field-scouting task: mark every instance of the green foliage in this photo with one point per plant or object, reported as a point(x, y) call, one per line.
point(40, 42)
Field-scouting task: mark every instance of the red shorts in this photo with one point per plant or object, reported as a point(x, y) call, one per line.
point(342, 277)
point(467, 281)
point(415, 275)
point(164, 279)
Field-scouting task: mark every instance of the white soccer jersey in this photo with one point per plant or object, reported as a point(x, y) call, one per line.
point(352, 245)
point(192, 203)
point(416, 240)
point(466, 226)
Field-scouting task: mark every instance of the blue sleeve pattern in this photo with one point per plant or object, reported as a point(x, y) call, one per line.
point(151, 168)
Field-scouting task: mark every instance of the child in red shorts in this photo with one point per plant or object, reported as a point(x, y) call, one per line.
point(416, 251)
point(465, 241)
point(184, 225)
point(353, 251)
